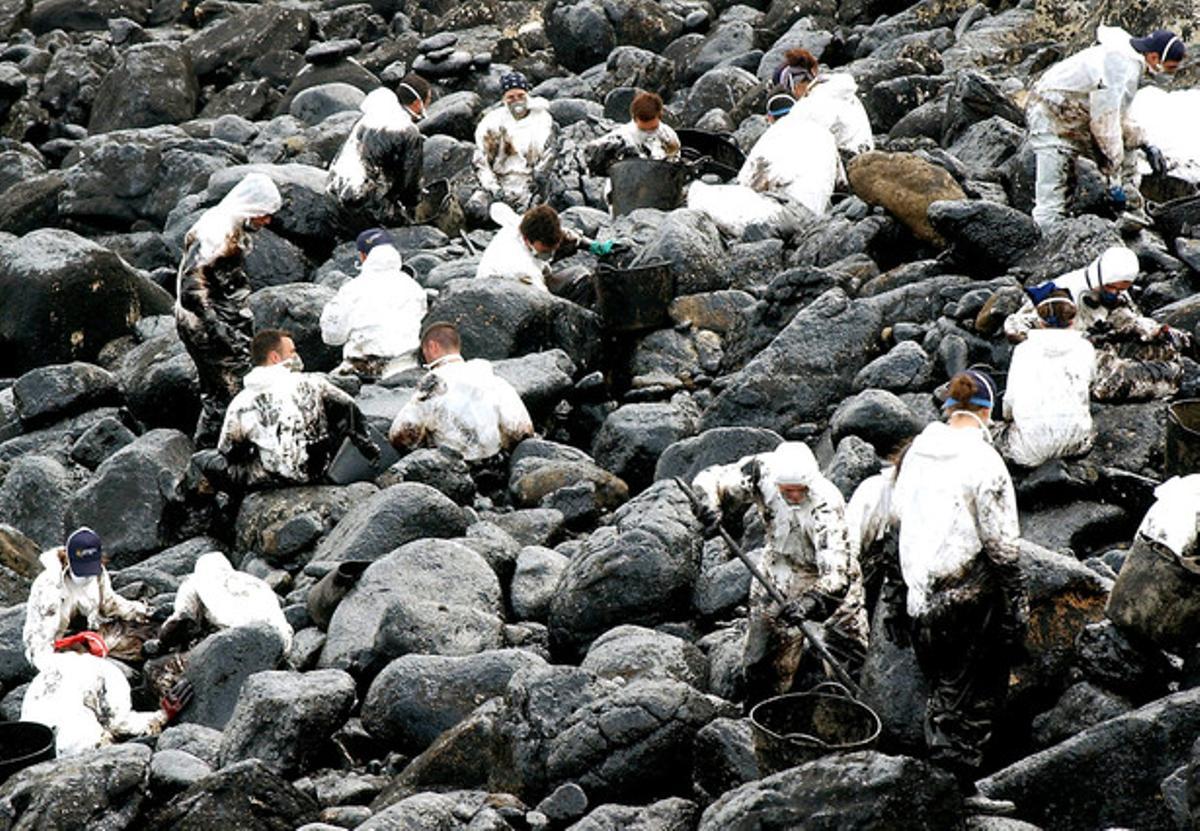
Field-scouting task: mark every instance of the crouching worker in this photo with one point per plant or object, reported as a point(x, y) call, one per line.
point(87, 701)
point(376, 317)
point(516, 146)
point(285, 427)
point(74, 595)
point(215, 596)
point(461, 405)
point(525, 247)
point(965, 607)
point(1047, 404)
point(808, 557)
point(644, 136)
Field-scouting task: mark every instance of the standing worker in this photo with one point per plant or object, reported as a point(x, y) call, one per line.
point(212, 298)
point(965, 604)
point(1079, 108)
point(809, 558)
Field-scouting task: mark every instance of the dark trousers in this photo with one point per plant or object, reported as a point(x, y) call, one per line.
point(961, 653)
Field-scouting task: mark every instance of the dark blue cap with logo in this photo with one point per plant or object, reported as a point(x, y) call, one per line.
point(83, 552)
point(371, 238)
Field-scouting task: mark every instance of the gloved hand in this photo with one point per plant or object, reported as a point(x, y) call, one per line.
point(710, 520)
point(1014, 624)
point(601, 249)
point(1158, 164)
point(895, 628)
point(1179, 340)
point(1117, 198)
point(175, 701)
point(368, 450)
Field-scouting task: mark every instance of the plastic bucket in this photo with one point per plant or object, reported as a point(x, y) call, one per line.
point(1182, 451)
point(1157, 596)
point(646, 183)
point(631, 299)
point(715, 153)
point(792, 729)
point(23, 743)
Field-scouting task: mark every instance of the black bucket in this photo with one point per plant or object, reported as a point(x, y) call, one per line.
point(792, 729)
point(330, 590)
point(1183, 438)
point(646, 183)
point(635, 298)
point(1179, 217)
point(24, 743)
point(715, 153)
point(1157, 596)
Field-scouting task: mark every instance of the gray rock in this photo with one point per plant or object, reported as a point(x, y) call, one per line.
point(243, 795)
point(60, 390)
point(82, 16)
point(974, 98)
point(847, 790)
point(629, 741)
point(635, 653)
point(454, 115)
point(565, 803)
point(987, 237)
point(716, 446)
point(284, 719)
point(466, 809)
point(417, 697)
point(1068, 245)
point(1109, 774)
point(100, 441)
point(152, 84)
point(14, 669)
point(429, 596)
point(66, 297)
point(103, 789)
point(521, 319)
point(196, 740)
point(673, 814)
point(391, 518)
point(905, 368)
point(894, 687)
point(33, 499)
point(640, 570)
point(876, 416)
point(541, 379)
point(853, 461)
point(720, 88)
point(296, 308)
point(315, 104)
point(538, 571)
point(148, 474)
point(220, 665)
point(724, 754)
point(280, 524)
point(437, 467)
point(690, 241)
point(172, 771)
point(228, 46)
point(1083, 705)
point(540, 468)
point(634, 436)
point(160, 383)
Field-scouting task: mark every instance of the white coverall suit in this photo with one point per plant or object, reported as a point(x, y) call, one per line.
point(1079, 107)
point(514, 156)
point(808, 550)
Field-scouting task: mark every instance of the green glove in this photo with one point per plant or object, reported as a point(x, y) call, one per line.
point(601, 249)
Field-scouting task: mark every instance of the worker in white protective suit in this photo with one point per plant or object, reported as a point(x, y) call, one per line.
point(376, 317)
point(375, 179)
point(1170, 121)
point(73, 594)
point(1156, 597)
point(86, 700)
point(644, 136)
point(873, 533)
point(212, 298)
point(1079, 107)
point(285, 427)
point(1137, 358)
point(515, 148)
point(965, 607)
point(1047, 403)
point(809, 558)
point(829, 98)
point(461, 405)
point(794, 165)
point(215, 596)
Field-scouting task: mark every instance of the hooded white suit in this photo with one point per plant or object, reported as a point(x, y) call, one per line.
point(86, 701)
point(216, 595)
point(1048, 398)
point(512, 154)
point(465, 406)
point(378, 314)
point(833, 100)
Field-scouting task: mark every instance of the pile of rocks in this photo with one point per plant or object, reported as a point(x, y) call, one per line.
point(568, 656)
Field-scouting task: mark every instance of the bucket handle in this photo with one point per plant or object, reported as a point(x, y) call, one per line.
point(834, 685)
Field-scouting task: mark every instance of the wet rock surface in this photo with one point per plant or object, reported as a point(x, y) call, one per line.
point(550, 643)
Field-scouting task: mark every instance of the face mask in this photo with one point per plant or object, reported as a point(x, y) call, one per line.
point(1052, 322)
point(518, 109)
point(295, 363)
point(1110, 300)
point(417, 116)
point(544, 256)
point(77, 581)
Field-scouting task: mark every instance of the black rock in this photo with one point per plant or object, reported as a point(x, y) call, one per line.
point(438, 468)
point(226, 48)
point(634, 436)
point(153, 84)
point(14, 669)
point(243, 795)
point(34, 497)
point(59, 390)
point(987, 237)
point(1081, 706)
point(391, 518)
point(160, 383)
point(877, 416)
point(630, 653)
point(105, 788)
point(723, 755)
point(219, 666)
point(332, 50)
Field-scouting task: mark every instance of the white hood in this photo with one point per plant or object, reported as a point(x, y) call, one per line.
point(256, 195)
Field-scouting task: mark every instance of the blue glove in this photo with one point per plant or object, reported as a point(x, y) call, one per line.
point(1117, 198)
point(601, 249)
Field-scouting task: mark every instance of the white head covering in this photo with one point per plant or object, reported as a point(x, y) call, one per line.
point(792, 463)
point(1115, 265)
point(255, 195)
point(381, 108)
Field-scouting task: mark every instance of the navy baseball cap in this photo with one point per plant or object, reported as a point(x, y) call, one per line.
point(371, 238)
point(83, 552)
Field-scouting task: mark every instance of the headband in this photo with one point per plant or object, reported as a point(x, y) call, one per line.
point(414, 93)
